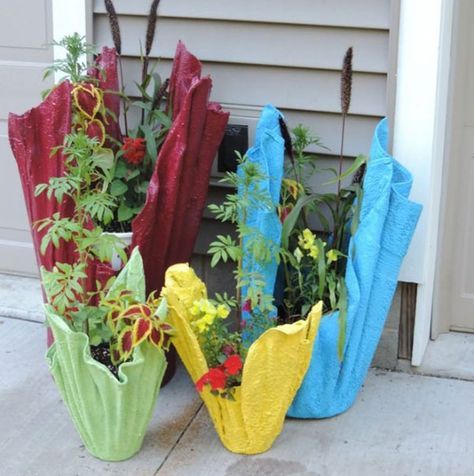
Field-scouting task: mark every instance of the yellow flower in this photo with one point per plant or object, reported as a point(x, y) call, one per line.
point(331, 255)
point(306, 239)
point(195, 311)
point(314, 252)
point(206, 312)
point(222, 311)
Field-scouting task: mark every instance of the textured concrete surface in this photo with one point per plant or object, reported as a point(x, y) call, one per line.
point(450, 355)
point(38, 437)
point(401, 424)
point(21, 297)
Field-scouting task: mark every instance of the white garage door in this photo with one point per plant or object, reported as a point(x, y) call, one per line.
point(25, 33)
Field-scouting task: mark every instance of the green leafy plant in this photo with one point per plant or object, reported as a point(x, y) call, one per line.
point(87, 174)
point(135, 160)
point(250, 242)
point(225, 350)
point(136, 156)
point(314, 269)
point(74, 65)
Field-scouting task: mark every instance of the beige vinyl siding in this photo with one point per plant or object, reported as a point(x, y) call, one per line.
point(285, 53)
point(266, 52)
point(25, 32)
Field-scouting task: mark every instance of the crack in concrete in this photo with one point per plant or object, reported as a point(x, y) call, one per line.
point(18, 317)
point(178, 440)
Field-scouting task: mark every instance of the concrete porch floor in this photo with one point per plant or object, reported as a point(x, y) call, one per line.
point(401, 424)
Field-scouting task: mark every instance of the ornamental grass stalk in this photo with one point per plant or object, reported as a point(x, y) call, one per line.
point(346, 90)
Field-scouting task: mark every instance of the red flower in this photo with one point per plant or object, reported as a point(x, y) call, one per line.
point(233, 364)
point(216, 378)
point(247, 307)
point(133, 150)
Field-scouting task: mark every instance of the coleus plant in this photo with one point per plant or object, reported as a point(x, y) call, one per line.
point(132, 322)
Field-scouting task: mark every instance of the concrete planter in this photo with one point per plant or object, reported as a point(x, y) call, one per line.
point(387, 223)
point(126, 238)
point(273, 371)
point(110, 415)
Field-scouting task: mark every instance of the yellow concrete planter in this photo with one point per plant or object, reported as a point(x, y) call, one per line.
point(274, 368)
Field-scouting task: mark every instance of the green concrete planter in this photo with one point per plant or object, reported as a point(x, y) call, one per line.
point(110, 415)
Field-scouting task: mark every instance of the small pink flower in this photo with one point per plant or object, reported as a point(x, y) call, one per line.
point(247, 307)
point(228, 350)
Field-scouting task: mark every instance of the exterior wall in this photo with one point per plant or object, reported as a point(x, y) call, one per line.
point(258, 52)
point(25, 32)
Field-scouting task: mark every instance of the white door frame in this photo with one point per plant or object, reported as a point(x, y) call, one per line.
point(421, 110)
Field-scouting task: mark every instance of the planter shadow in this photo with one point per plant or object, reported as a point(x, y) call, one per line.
point(273, 371)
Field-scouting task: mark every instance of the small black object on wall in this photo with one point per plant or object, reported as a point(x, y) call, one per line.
point(236, 138)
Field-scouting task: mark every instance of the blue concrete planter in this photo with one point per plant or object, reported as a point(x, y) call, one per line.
point(387, 223)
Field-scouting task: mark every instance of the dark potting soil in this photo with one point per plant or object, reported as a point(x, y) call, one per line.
point(285, 318)
point(116, 227)
point(101, 354)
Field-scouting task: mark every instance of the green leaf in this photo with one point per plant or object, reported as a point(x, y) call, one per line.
point(321, 269)
point(292, 217)
point(40, 188)
point(358, 162)
point(121, 169)
point(131, 174)
point(150, 142)
point(124, 212)
point(117, 188)
point(104, 159)
point(342, 318)
point(142, 187)
point(163, 118)
point(215, 259)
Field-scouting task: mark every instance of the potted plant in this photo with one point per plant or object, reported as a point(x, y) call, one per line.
point(110, 388)
point(154, 164)
point(107, 359)
point(366, 279)
point(247, 379)
point(351, 266)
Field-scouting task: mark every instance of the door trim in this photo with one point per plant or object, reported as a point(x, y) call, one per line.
point(419, 139)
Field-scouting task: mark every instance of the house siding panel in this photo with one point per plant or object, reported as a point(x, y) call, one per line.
point(259, 52)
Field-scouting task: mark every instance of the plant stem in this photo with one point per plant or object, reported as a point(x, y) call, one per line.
point(124, 101)
point(144, 75)
point(337, 225)
point(239, 270)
